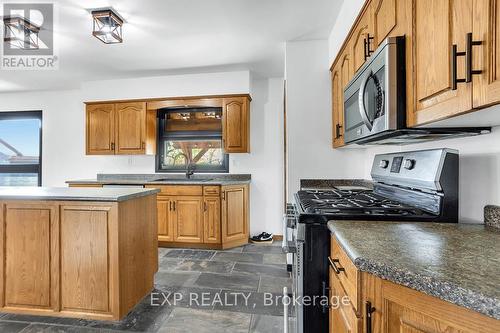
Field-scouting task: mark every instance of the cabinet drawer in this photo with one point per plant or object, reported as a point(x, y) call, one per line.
point(178, 189)
point(343, 318)
point(348, 275)
point(211, 190)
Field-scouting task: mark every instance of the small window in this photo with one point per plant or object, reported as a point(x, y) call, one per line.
point(191, 136)
point(20, 148)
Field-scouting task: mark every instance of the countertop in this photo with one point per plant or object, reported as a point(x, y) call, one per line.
point(155, 179)
point(458, 263)
point(73, 194)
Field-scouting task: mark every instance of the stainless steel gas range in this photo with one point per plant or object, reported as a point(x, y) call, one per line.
point(408, 186)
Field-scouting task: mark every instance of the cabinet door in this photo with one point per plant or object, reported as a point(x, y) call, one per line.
point(438, 26)
point(486, 57)
point(363, 42)
point(337, 108)
point(188, 219)
point(211, 220)
point(29, 272)
point(385, 18)
point(100, 129)
point(130, 128)
point(84, 231)
point(165, 219)
point(236, 125)
point(234, 213)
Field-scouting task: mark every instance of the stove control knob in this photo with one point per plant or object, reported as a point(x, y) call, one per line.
point(409, 164)
point(383, 164)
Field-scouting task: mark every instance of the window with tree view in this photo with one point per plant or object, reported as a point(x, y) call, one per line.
point(20, 148)
point(191, 137)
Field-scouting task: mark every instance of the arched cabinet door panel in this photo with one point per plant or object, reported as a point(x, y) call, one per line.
point(236, 125)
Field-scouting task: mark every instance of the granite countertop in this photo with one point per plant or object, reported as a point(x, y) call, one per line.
point(73, 194)
point(459, 263)
point(165, 179)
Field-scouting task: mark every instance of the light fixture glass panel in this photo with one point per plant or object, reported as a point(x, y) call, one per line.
point(107, 26)
point(20, 33)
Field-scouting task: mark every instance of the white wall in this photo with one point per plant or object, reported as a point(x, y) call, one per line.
point(64, 140)
point(309, 121)
point(479, 156)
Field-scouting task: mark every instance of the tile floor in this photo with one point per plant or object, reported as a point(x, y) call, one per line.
point(195, 291)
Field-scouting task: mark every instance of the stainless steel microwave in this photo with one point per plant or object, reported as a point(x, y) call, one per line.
point(375, 99)
point(375, 103)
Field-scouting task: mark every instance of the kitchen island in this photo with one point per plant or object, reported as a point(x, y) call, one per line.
point(76, 252)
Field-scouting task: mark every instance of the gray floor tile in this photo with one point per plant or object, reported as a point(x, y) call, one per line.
point(266, 324)
point(272, 270)
point(261, 248)
point(176, 278)
point(169, 264)
point(271, 284)
point(251, 302)
point(190, 265)
point(235, 249)
point(190, 297)
point(239, 257)
point(234, 281)
point(10, 327)
point(185, 320)
point(162, 251)
point(190, 254)
point(274, 258)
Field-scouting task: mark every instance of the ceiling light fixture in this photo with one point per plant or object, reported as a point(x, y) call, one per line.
point(20, 33)
point(107, 26)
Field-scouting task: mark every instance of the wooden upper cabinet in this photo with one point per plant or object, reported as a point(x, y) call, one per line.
point(236, 124)
point(385, 18)
point(438, 26)
point(234, 214)
point(486, 57)
point(131, 128)
point(188, 223)
point(337, 108)
point(363, 40)
point(100, 129)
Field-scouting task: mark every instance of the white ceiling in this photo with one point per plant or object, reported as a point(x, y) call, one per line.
point(177, 36)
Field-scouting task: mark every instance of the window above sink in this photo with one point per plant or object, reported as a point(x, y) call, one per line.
point(191, 136)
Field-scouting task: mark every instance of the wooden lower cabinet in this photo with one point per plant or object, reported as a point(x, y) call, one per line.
point(92, 260)
point(211, 220)
point(234, 215)
point(188, 225)
point(165, 219)
point(343, 318)
point(388, 307)
point(203, 216)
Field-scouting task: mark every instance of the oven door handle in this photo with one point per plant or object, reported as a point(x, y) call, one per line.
point(285, 310)
point(361, 101)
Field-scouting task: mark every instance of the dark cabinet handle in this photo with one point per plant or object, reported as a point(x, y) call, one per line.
point(205, 206)
point(367, 42)
point(112, 146)
point(337, 131)
point(468, 59)
point(174, 206)
point(170, 205)
point(369, 310)
point(333, 264)
point(454, 55)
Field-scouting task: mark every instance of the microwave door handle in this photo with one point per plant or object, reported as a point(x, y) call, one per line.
point(361, 101)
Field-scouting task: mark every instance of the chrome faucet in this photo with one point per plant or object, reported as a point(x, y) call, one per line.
point(190, 170)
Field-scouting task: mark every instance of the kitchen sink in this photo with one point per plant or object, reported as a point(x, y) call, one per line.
point(180, 180)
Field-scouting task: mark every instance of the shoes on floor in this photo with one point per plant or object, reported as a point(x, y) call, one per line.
point(262, 238)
